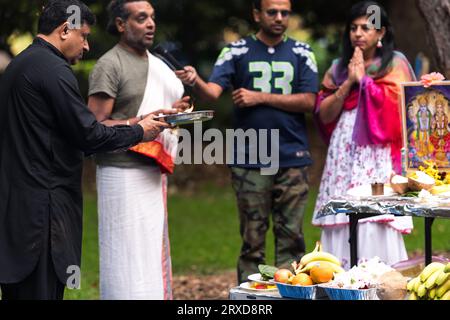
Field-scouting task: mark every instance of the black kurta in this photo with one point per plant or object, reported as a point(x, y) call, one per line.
point(45, 126)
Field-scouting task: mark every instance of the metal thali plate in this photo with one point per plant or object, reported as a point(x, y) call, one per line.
point(187, 118)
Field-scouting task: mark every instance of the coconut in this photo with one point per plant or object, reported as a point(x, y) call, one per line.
point(421, 181)
point(392, 286)
point(399, 184)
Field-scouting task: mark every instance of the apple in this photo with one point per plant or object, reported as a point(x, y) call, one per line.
point(282, 275)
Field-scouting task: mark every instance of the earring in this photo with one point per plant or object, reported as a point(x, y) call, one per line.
point(379, 44)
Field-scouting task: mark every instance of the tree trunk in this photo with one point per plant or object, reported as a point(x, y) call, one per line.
point(437, 16)
point(410, 32)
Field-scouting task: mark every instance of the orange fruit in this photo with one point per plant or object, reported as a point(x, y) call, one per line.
point(302, 279)
point(321, 273)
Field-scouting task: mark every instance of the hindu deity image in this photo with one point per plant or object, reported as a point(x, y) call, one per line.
point(412, 124)
point(424, 123)
point(441, 136)
point(425, 112)
point(428, 129)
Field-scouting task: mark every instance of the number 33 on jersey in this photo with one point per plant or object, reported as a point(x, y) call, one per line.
point(288, 68)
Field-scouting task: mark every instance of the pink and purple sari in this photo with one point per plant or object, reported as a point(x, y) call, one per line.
point(377, 98)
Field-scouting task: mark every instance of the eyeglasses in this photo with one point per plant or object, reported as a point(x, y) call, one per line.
point(273, 13)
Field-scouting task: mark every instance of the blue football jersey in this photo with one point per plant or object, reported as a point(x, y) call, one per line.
point(288, 68)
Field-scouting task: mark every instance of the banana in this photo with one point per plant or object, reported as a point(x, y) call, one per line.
point(319, 256)
point(336, 268)
point(413, 296)
point(422, 291)
point(300, 267)
point(447, 268)
point(432, 293)
point(429, 270)
point(295, 267)
point(431, 281)
point(442, 278)
point(309, 266)
point(417, 285)
point(442, 289)
point(412, 283)
point(318, 246)
point(446, 296)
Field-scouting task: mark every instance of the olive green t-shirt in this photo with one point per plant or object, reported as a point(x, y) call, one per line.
point(121, 75)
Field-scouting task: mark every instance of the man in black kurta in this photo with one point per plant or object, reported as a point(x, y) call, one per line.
point(45, 129)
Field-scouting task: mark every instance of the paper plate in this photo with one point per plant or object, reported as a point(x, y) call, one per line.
point(187, 118)
point(248, 286)
point(366, 191)
point(256, 277)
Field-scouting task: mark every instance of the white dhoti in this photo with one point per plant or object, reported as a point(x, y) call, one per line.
point(134, 257)
point(133, 230)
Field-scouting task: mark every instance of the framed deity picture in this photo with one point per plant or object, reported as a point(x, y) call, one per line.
point(426, 124)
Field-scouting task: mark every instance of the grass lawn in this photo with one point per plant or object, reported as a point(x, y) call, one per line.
point(205, 238)
point(89, 263)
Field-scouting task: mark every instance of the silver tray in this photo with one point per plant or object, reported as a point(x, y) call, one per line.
point(187, 118)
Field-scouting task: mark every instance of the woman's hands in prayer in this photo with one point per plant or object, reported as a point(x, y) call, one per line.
point(356, 67)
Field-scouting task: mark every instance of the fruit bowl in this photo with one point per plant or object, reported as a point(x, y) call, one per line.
point(335, 293)
point(300, 292)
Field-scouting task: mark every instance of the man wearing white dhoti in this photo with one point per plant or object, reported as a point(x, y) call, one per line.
point(126, 84)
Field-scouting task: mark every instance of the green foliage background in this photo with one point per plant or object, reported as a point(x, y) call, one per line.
point(204, 225)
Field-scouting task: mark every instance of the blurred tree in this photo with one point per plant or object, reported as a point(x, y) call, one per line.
point(437, 15)
point(197, 26)
point(16, 16)
point(198, 29)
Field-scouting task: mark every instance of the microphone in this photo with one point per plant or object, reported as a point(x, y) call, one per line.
point(175, 65)
point(165, 54)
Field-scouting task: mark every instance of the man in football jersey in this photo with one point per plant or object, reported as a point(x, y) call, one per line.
point(274, 81)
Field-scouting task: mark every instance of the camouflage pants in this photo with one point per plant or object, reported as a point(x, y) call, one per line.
point(284, 195)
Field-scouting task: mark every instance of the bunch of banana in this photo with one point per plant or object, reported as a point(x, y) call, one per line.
point(432, 284)
point(317, 255)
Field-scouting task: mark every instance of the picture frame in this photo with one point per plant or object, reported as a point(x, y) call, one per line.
point(425, 115)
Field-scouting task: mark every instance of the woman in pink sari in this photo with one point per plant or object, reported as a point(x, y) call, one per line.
point(358, 114)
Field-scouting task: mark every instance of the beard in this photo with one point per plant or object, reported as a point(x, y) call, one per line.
point(274, 31)
point(137, 41)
